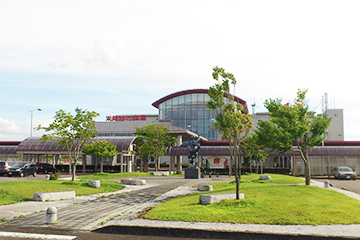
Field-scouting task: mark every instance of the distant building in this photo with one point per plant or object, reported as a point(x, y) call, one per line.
point(335, 132)
point(185, 113)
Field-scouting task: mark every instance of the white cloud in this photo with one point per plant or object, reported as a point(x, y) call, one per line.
point(9, 127)
point(115, 54)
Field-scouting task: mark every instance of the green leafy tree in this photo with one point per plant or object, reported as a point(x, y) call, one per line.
point(152, 141)
point(293, 125)
point(71, 132)
point(102, 149)
point(253, 150)
point(229, 119)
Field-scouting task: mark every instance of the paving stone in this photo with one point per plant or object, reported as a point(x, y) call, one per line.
point(88, 215)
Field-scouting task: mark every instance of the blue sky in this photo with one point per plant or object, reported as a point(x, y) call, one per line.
point(121, 56)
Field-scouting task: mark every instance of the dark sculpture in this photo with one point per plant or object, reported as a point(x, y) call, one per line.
point(194, 144)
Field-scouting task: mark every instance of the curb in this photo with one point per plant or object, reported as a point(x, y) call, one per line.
point(196, 233)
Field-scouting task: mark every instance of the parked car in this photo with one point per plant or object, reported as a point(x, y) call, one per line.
point(344, 173)
point(4, 166)
point(22, 169)
point(45, 168)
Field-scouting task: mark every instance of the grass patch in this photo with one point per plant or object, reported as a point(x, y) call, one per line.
point(115, 175)
point(18, 191)
point(264, 204)
point(275, 178)
point(121, 175)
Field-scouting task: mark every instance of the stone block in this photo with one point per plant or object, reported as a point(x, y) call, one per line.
point(132, 181)
point(205, 199)
point(95, 183)
point(192, 173)
point(51, 215)
point(205, 187)
point(53, 196)
point(265, 177)
point(160, 173)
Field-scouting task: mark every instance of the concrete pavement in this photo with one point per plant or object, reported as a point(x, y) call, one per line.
point(120, 211)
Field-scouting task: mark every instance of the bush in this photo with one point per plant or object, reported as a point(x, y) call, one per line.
point(55, 175)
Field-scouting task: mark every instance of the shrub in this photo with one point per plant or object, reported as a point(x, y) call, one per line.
point(55, 175)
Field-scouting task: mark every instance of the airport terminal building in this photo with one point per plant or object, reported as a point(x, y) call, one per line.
point(185, 113)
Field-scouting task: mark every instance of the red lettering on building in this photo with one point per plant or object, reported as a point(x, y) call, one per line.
point(121, 118)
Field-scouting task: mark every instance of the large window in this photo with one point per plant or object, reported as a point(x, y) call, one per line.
point(190, 112)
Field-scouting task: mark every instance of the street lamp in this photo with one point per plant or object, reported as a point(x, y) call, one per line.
point(31, 125)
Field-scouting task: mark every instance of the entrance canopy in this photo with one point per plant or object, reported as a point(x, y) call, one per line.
point(33, 145)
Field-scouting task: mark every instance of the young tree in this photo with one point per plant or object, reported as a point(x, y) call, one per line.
point(252, 150)
point(71, 132)
point(229, 119)
point(152, 141)
point(102, 149)
point(293, 125)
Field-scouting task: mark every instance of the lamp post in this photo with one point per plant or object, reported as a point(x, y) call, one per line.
point(31, 125)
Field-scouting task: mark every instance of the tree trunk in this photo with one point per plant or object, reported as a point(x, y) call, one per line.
point(96, 164)
point(237, 179)
point(230, 164)
point(305, 157)
point(141, 165)
point(102, 165)
point(237, 170)
point(156, 165)
point(307, 172)
point(70, 165)
point(250, 163)
point(73, 166)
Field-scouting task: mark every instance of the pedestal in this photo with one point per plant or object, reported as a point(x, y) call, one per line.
point(192, 173)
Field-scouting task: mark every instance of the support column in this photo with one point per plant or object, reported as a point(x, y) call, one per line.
point(121, 163)
point(171, 164)
point(200, 160)
point(133, 163)
point(179, 164)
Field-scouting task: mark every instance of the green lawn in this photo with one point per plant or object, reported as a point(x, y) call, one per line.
point(265, 204)
point(120, 175)
point(17, 191)
point(275, 178)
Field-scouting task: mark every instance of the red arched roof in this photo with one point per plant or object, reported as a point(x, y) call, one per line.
point(185, 92)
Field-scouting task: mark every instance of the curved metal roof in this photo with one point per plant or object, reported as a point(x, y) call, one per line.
point(317, 151)
point(185, 92)
point(34, 144)
point(8, 149)
point(204, 150)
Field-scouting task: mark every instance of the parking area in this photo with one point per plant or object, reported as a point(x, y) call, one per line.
point(39, 176)
point(5, 178)
point(350, 185)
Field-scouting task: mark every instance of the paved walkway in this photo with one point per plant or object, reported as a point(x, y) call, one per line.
point(91, 212)
point(88, 215)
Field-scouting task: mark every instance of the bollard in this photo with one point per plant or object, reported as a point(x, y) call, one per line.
point(51, 215)
point(326, 184)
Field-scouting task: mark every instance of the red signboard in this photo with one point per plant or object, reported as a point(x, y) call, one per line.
point(118, 118)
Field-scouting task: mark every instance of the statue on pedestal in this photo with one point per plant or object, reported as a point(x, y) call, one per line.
point(194, 144)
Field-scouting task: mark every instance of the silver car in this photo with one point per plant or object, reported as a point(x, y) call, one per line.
point(4, 166)
point(344, 173)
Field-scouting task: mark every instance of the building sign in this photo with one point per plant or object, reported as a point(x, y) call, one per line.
point(217, 162)
point(122, 118)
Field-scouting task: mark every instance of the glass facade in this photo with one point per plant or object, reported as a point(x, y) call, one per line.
point(189, 111)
